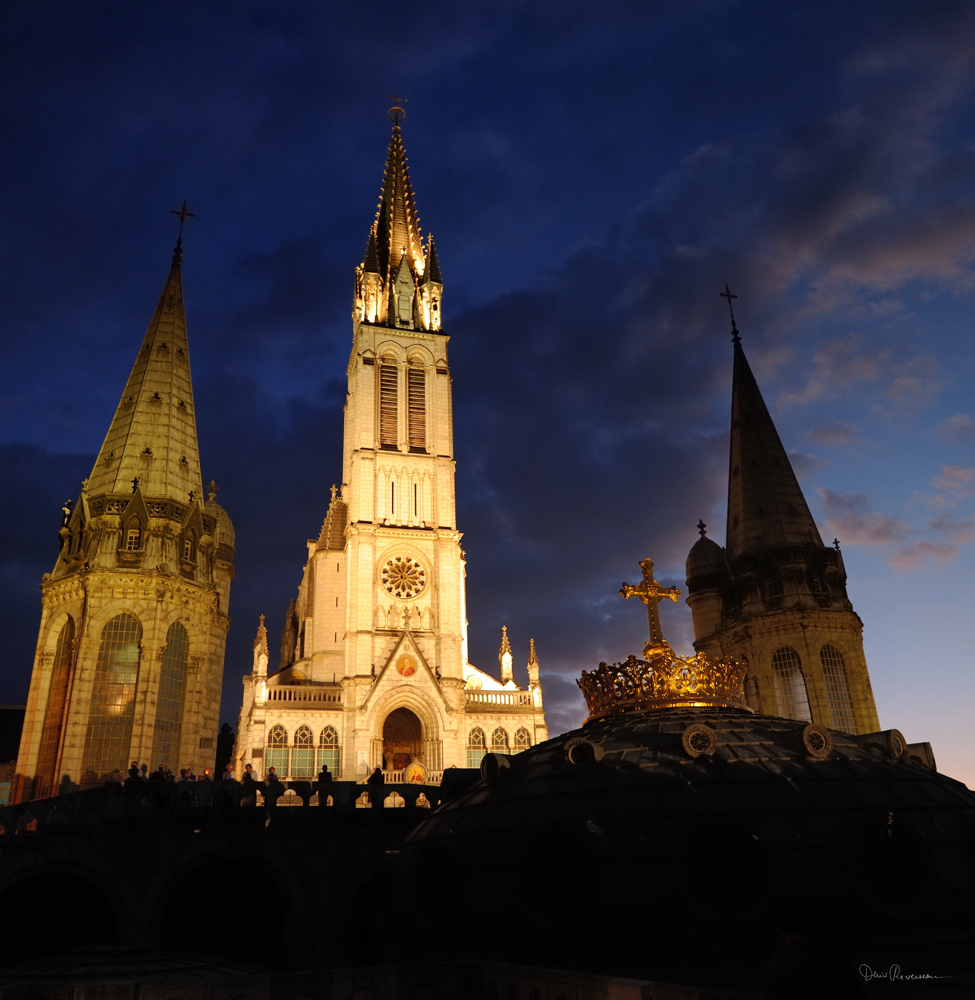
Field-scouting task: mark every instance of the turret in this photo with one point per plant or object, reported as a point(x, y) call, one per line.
point(504, 657)
point(534, 684)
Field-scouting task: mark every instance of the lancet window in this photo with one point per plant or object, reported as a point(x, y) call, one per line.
point(837, 689)
point(54, 716)
point(277, 751)
point(476, 747)
point(329, 751)
point(790, 685)
point(523, 740)
point(189, 547)
point(303, 754)
point(110, 718)
point(416, 385)
point(388, 399)
point(499, 741)
point(168, 727)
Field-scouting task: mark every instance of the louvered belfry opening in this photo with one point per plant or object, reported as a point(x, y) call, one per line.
point(387, 405)
point(416, 389)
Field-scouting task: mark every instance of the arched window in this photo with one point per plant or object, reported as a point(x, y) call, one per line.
point(303, 754)
point(416, 388)
point(476, 747)
point(499, 741)
point(837, 689)
point(523, 740)
point(57, 693)
point(388, 393)
point(790, 685)
point(329, 751)
point(189, 547)
point(277, 751)
point(109, 733)
point(133, 535)
point(168, 726)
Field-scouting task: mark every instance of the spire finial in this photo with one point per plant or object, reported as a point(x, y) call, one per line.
point(836, 544)
point(730, 295)
point(212, 490)
point(702, 527)
point(396, 113)
point(334, 491)
point(135, 484)
point(182, 214)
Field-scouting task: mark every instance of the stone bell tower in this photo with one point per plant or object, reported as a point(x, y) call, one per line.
point(129, 661)
point(775, 596)
point(374, 669)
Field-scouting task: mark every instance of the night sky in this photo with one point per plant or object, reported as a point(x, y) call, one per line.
point(593, 175)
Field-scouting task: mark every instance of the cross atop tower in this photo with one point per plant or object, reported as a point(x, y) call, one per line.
point(730, 296)
point(396, 113)
point(651, 593)
point(182, 214)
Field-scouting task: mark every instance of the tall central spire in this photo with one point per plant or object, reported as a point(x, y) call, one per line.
point(397, 224)
point(398, 283)
point(152, 437)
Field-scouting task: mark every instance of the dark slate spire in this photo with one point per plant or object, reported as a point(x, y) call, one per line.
point(765, 504)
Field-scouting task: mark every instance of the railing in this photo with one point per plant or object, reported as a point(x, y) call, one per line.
point(399, 777)
point(302, 693)
point(498, 699)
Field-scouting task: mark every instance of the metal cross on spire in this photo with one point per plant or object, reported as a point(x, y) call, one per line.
point(396, 113)
point(182, 214)
point(651, 593)
point(702, 527)
point(730, 296)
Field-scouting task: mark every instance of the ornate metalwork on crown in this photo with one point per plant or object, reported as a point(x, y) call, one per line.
point(662, 679)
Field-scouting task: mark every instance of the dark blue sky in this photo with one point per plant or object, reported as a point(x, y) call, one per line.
point(593, 175)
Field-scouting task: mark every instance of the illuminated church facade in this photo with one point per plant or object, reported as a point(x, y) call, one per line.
point(373, 668)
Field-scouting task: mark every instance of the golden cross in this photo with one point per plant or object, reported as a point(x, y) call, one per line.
point(651, 593)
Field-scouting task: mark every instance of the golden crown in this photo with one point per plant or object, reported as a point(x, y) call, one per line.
point(662, 679)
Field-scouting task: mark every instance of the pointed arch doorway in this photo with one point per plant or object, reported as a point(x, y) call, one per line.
point(402, 739)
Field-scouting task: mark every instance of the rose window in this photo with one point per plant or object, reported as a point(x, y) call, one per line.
point(403, 577)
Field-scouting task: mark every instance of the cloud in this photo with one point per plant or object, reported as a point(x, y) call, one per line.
point(850, 518)
point(960, 427)
point(956, 480)
point(921, 555)
point(834, 433)
point(853, 363)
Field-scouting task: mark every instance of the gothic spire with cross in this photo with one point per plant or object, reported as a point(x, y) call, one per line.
point(152, 436)
point(765, 503)
point(651, 593)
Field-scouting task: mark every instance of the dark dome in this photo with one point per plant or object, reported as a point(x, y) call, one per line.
point(673, 838)
point(705, 557)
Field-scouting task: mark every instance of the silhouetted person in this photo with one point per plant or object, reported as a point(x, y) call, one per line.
point(324, 777)
point(134, 771)
point(248, 795)
point(377, 777)
point(159, 774)
point(206, 776)
point(228, 773)
point(806, 968)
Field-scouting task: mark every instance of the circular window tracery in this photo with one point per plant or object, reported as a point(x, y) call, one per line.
point(403, 577)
